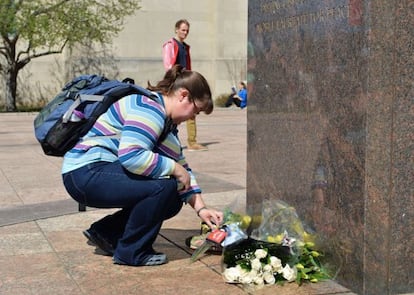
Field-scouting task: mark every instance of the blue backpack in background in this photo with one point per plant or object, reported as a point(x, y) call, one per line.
point(72, 113)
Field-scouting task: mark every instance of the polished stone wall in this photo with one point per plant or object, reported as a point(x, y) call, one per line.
point(330, 130)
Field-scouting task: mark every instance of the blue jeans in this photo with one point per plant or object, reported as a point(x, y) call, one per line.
point(145, 204)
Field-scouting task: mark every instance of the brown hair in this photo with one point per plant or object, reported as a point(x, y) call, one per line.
point(180, 22)
point(178, 77)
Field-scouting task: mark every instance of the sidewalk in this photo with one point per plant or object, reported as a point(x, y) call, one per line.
point(43, 250)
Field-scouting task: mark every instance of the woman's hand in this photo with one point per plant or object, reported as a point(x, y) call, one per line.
point(212, 217)
point(182, 176)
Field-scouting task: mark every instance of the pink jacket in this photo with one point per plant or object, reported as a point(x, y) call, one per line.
point(170, 52)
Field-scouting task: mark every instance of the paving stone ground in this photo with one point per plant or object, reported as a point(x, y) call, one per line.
point(43, 251)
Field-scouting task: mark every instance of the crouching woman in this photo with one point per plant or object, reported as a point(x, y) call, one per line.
point(132, 160)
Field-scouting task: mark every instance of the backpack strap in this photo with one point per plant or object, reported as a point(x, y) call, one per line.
point(169, 126)
point(78, 100)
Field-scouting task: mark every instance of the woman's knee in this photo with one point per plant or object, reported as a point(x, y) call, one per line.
point(174, 208)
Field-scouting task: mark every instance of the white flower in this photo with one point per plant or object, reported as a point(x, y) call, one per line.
point(232, 274)
point(260, 253)
point(276, 264)
point(258, 280)
point(289, 273)
point(267, 268)
point(256, 264)
point(269, 278)
point(248, 277)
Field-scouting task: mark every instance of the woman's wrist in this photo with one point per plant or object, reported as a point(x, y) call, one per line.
point(201, 209)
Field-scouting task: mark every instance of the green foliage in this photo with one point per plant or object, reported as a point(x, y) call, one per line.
point(220, 101)
point(48, 24)
point(303, 259)
point(36, 28)
point(309, 265)
point(7, 17)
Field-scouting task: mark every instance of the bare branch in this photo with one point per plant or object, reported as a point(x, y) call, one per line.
point(25, 60)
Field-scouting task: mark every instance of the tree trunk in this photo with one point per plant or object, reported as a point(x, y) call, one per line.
point(11, 90)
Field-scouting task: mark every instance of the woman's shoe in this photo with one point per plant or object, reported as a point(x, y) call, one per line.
point(96, 239)
point(155, 259)
point(149, 260)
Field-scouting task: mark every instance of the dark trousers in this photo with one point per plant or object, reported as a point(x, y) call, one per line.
point(145, 204)
point(232, 100)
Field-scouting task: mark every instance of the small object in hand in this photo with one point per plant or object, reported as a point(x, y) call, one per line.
point(216, 236)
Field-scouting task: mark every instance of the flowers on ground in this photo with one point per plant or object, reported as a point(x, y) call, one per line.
point(263, 269)
point(271, 255)
point(261, 263)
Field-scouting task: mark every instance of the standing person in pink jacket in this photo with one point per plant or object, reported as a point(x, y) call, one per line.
point(176, 51)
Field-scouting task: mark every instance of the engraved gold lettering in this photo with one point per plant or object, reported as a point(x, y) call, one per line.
point(295, 21)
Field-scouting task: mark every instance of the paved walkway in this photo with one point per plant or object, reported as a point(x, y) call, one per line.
point(43, 251)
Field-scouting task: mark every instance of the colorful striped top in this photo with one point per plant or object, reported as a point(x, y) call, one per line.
point(128, 132)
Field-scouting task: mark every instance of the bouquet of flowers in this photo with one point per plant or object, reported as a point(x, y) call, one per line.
point(272, 248)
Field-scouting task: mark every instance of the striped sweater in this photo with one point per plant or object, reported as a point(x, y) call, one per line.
point(128, 132)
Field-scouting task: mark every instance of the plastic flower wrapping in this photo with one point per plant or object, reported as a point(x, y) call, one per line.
point(269, 248)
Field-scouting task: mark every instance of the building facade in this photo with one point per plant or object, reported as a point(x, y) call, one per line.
point(218, 40)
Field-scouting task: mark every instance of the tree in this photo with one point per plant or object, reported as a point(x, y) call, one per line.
point(34, 28)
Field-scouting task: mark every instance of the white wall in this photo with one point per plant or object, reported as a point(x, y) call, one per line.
point(218, 39)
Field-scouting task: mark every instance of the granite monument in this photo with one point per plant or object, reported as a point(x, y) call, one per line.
point(331, 130)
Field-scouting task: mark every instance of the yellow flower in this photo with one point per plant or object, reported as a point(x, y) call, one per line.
point(299, 266)
point(245, 222)
point(314, 280)
point(315, 253)
point(275, 239)
point(310, 244)
point(308, 238)
point(298, 227)
point(256, 220)
point(300, 244)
